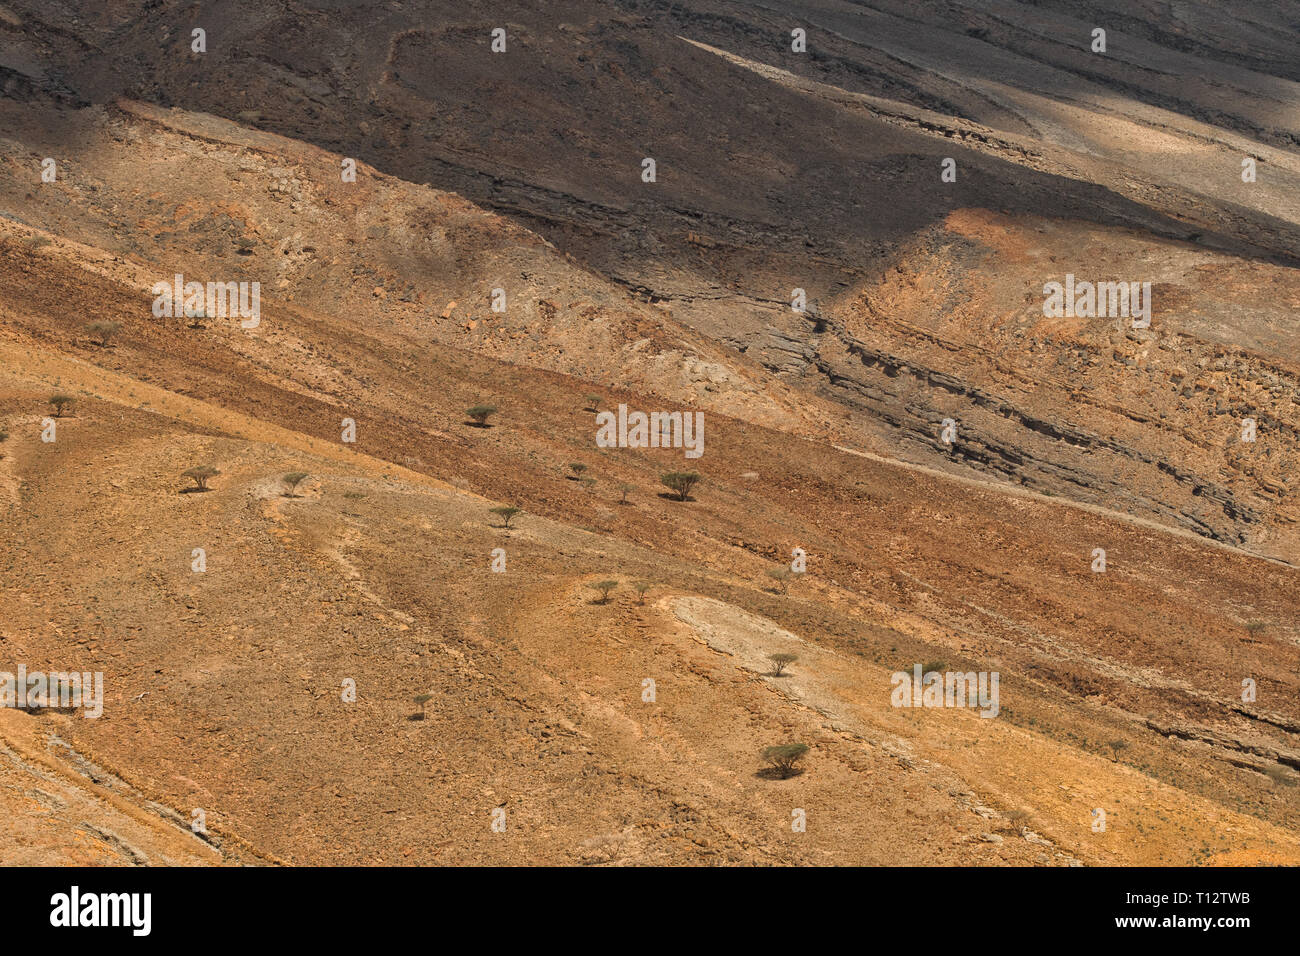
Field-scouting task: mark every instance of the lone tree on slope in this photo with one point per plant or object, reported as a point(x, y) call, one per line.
point(291, 481)
point(780, 662)
point(784, 758)
point(781, 576)
point(480, 414)
point(103, 332)
point(604, 587)
point(59, 401)
point(201, 475)
point(506, 512)
point(680, 482)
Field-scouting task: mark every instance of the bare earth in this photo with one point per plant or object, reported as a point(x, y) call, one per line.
point(225, 690)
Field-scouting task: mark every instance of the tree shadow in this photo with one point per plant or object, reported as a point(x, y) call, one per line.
point(776, 773)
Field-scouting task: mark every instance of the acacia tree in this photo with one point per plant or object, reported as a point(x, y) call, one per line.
point(59, 401)
point(200, 475)
point(641, 587)
point(1280, 775)
point(604, 587)
point(780, 662)
point(103, 331)
point(506, 512)
point(624, 489)
point(680, 482)
point(480, 414)
point(1018, 820)
point(423, 699)
point(292, 480)
point(577, 468)
point(784, 758)
point(781, 576)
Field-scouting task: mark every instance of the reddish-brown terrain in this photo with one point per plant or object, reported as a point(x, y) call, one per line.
point(1120, 691)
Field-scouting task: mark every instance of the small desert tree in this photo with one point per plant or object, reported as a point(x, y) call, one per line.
point(680, 482)
point(1017, 820)
point(577, 468)
point(291, 481)
point(1117, 747)
point(421, 700)
point(1280, 775)
point(780, 662)
point(58, 402)
point(1255, 628)
point(480, 414)
point(103, 331)
point(592, 402)
point(200, 474)
point(506, 512)
point(784, 758)
point(624, 490)
point(604, 587)
point(588, 484)
point(641, 587)
point(781, 576)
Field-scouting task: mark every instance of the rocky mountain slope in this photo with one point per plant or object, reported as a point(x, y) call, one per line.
point(628, 731)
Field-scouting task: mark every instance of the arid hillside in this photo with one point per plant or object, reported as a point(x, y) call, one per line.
point(367, 664)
